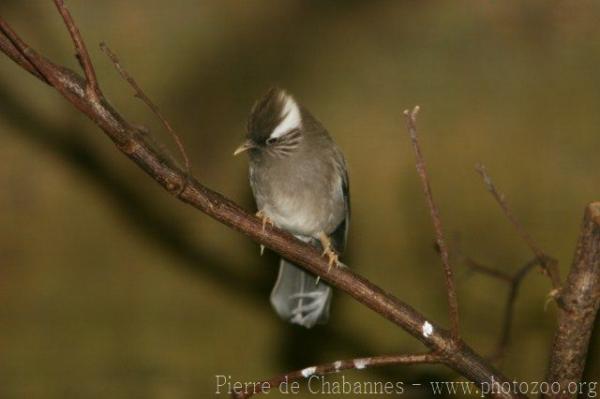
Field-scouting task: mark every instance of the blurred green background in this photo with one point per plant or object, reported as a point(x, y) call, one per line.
point(111, 288)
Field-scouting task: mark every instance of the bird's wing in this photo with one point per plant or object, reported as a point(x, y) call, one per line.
point(340, 234)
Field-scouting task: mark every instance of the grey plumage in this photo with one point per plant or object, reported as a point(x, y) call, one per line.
point(299, 181)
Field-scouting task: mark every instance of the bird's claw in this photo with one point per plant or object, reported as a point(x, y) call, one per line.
point(328, 251)
point(332, 256)
point(264, 219)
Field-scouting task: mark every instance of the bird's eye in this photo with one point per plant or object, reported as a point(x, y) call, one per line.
point(272, 140)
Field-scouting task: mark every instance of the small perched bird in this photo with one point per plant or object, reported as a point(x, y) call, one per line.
point(300, 184)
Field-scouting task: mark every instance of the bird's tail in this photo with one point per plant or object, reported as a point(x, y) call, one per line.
point(299, 298)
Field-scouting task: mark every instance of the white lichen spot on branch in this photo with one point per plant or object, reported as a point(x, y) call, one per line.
point(337, 365)
point(427, 329)
point(360, 364)
point(307, 372)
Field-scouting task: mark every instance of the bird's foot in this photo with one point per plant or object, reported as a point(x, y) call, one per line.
point(265, 220)
point(328, 250)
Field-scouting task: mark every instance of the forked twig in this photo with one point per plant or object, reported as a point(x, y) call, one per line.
point(139, 93)
point(514, 283)
point(509, 308)
point(548, 263)
point(335, 367)
point(411, 120)
point(82, 54)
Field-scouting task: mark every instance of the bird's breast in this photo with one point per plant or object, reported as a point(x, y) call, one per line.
point(301, 200)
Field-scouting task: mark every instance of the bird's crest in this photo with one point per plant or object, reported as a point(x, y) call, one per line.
point(274, 115)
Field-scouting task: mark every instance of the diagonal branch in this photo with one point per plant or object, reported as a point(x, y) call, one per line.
point(75, 89)
point(336, 367)
point(411, 120)
point(548, 263)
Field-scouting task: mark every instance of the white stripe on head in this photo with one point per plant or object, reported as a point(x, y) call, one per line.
point(291, 118)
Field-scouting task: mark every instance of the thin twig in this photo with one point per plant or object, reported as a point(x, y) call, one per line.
point(548, 263)
point(139, 93)
point(411, 118)
point(82, 54)
point(501, 199)
point(335, 367)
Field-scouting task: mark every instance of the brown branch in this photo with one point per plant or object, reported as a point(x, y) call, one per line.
point(548, 263)
point(581, 296)
point(74, 88)
point(139, 93)
point(335, 367)
point(411, 120)
point(83, 56)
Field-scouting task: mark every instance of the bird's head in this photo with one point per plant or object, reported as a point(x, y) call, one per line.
point(274, 126)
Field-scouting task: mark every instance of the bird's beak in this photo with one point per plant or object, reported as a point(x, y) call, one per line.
point(246, 145)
